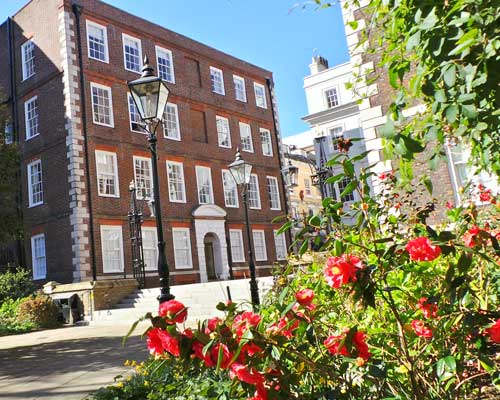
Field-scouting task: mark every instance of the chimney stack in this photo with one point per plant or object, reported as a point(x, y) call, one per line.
point(318, 64)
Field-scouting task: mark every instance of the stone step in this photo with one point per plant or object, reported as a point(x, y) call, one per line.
point(200, 299)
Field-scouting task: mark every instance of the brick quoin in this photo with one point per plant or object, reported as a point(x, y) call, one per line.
point(64, 217)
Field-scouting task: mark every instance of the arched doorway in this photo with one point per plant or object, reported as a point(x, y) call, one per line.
point(213, 258)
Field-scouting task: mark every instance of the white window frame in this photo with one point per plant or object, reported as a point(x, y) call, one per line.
point(178, 164)
point(38, 273)
point(166, 132)
point(115, 170)
point(266, 132)
point(136, 177)
point(138, 41)
point(28, 72)
point(258, 192)
point(218, 71)
point(307, 187)
point(179, 265)
point(263, 103)
point(325, 96)
point(110, 94)
point(242, 81)
point(36, 119)
point(241, 244)
point(154, 247)
point(116, 228)
point(130, 102)
point(199, 168)
point(226, 173)
point(30, 184)
point(276, 186)
point(263, 233)
point(106, 50)
point(344, 183)
point(334, 134)
point(168, 53)
point(280, 241)
point(241, 125)
point(223, 119)
point(8, 133)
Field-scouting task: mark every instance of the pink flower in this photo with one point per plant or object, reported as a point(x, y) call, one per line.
point(244, 321)
point(420, 328)
point(429, 309)
point(250, 376)
point(304, 296)
point(284, 327)
point(494, 331)
point(173, 311)
point(333, 345)
point(450, 205)
point(342, 270)
point(421, 249)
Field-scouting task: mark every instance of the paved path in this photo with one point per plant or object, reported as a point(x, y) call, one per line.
point(66, 363)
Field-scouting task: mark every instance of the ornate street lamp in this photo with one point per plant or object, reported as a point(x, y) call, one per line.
point(240, 170)
point(290, 173)
point(150, 94)
point(135, 221)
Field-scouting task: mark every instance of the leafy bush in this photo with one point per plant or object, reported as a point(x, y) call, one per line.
point(15, 284)
point(166, 379)
point(41, 311)
point(9, 323)
point(394, 309)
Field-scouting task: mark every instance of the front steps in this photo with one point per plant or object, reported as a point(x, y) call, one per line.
point(200, 299)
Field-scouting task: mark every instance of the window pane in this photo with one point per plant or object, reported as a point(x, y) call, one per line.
point(274, 197)
point(259, 242)
point(35, 184)
point(97, 42)
point(253, 192)
point(150, 248)
point(342, 185)
point(106, 174)
point(28, 59)
point(280, 245)
point(171, 122)
point(336, 134)
point(143, 180)
point(182, 248)
point(165, 65)
point(111, 242)
point(135, 118)
point(246, 137)
point(237, 252)
point(239, 88)
point(101, 105)
point(223, 132)
point(217, 80)
point(204, 180)
point(38, 258)
point(260, 95)
point(332, 99)
point(265, 138)
point(32, 117)
point(132, 52)
point(176, 187)
point(230, 189)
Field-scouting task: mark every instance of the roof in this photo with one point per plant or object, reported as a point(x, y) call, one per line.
point(300, 140)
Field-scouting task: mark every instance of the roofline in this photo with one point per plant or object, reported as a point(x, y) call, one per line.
point(328, 70)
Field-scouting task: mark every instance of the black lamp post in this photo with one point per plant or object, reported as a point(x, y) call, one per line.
point(150, 94)
point(240, 170)
point(135, 224)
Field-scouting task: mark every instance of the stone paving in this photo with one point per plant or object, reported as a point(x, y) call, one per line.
point(65, 363)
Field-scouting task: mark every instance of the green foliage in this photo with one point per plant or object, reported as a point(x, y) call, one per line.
point(9, 324)
point(166, 379)
point(15, 284)
point(41, 311)
point(453, 49)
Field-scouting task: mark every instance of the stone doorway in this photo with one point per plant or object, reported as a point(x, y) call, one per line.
point(213, 259)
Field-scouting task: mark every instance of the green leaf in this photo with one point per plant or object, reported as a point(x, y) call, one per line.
point(349, 188)
point(449, 75)
point(451, 113)
point(334, 179)
point(286, 226)
point(388, 130)
point(304, 247)
point(426, 181)
point(430, 20)
point(348, 168)
point(469, 111)
point(445, 368)
point(413, 41)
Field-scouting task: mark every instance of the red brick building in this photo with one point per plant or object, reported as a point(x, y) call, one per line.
point(69, 62)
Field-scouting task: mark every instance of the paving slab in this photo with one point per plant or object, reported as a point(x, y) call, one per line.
point(65, 363)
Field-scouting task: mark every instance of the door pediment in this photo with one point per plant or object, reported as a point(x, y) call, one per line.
point(209, 211)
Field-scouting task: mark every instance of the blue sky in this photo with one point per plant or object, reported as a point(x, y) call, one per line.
point(275, 34)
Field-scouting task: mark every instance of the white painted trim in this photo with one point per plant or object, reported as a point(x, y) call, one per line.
point(260, 231)
point(111, 113)
point(178, 265)
point(159, 49)
point(106, 46)
point(33, 238)
point(276, 184)
point(181, 165)
point(259, 85)
point(30, 188)
point(115, 168)
point(138, 41)
point(109, 228)
point(217, 70)
point(242, 80)
point(199, 168)
point(241, 243)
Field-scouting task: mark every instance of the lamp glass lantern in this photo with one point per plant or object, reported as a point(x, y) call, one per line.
point(290, 172)
point(150, 94)
point(240, 170)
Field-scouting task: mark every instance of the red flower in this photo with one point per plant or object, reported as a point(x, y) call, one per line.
point(332, 343)
point(188, 333)
point(341, 270)
point(449, 205)
point(173, 311)
point(260, 393)
point(160, 341)
point(494, 331)
point(472, 236)
point(284, 327)
point(420, 328)
point(250, 376)
point(251, 349)
point(198, 353)
point(212, 325)
point(244, 321)
point(429, 309)
point(226, 355)
point(421, 249)
point(154, 343)
point(304, 296)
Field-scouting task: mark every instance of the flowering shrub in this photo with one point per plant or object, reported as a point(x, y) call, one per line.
point(394, 309)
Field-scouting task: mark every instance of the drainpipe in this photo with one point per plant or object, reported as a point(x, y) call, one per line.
point(270, 89)
point(15, 134)
point(77, 11)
